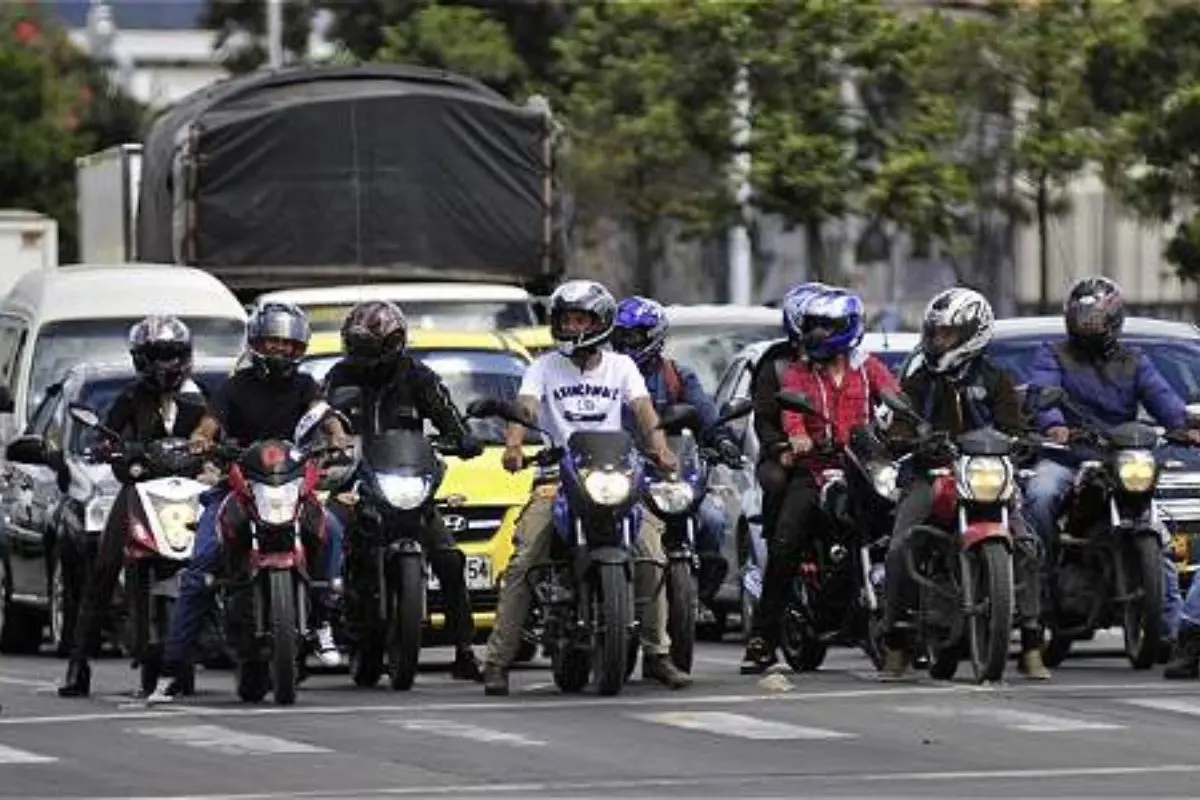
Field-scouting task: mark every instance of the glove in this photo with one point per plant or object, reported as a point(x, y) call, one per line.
point(729, 452)
point(469, 447)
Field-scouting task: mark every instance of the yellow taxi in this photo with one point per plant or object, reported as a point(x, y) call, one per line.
point(479, 500)
point(536, 338)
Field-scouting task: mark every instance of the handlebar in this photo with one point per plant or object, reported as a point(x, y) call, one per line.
point(546, 457)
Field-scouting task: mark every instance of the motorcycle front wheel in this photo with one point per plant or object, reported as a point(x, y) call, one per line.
point(682, 598)
point(284, 636)
point(613, 618)
point(1142, 620)
point(406, 615)
point(988, 592)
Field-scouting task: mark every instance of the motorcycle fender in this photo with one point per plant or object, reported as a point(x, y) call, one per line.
point(271, 561)
point(608, 555)
point(978, 532)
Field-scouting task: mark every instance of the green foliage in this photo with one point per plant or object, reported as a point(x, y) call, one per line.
point(232, 17)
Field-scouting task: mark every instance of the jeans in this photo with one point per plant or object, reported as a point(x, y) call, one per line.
point(710, 528)
point(1044, 495)
point(187, 615)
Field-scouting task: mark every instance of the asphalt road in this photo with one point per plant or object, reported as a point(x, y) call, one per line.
point(1098, 730)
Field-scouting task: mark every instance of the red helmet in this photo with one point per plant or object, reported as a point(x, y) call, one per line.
point(375, 332)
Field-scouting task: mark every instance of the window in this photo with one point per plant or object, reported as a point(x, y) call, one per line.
point(462, 315)
point(741, 388)
point(39, 420)
point(725, 388)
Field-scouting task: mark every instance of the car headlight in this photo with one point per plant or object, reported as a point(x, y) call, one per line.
point(96, 511)
point(883, 478)
point(276, 505)
point(404, 492)
point(987, 479)
point(607, 488)
point(1136, 469)
point(672, 497)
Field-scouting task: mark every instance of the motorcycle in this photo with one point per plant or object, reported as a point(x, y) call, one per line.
point(1107, 562)
point(583, 599)
point(266, 602)
point(397, 480)
point(836, 595)
point(162, 516)
point(676, 500)
point(961, 558)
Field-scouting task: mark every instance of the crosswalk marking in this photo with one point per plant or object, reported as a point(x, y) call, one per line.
point(1177, 705)
point(1009, 718)
point(226, 741)
point(459, 730)
point(11, 755)
point(724, 723)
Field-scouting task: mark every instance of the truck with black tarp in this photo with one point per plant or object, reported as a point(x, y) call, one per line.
point(316, 176)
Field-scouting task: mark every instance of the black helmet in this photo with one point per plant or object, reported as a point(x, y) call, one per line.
point(277, 335)
point(161, 347)
point(1095, 315)
point(375, 332)
point(581, 298)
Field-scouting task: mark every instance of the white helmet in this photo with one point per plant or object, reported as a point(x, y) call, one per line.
point(958, 326)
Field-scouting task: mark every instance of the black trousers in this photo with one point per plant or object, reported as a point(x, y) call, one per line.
point(102, 579)
point(791, 508)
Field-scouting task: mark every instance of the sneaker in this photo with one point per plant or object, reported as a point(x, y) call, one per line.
point(759, 656)
point(495, 680)
point(663, 670)
point(1031, 666)
point(327, 650)
point(895, 664)
point(164, 692)
point(466, 666)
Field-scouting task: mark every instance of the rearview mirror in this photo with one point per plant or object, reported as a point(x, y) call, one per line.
point(737, 407)
point(489, 407)
point(795, 401)
point(26, 450)
point(84, 416)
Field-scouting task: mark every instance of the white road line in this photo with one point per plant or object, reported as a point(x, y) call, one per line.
point(532, 788)
point(723, 723)
point(1008, 718)
point(11, 755)
point(13, 680)
point(1176, 705)
point(226, 741)
point(459, 730)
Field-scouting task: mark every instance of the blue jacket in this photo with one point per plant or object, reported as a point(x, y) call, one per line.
point(692, 393)
point(1110, 390)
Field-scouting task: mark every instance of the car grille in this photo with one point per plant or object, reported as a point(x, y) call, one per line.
point(1178, 482)
point(473, 523)
point(480, 601)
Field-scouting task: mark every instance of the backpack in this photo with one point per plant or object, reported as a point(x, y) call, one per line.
point(673, 381)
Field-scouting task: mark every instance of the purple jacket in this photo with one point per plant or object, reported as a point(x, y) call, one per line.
point(1110, 390)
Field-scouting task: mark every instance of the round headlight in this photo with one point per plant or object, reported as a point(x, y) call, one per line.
point(405, 492)
point(986, 478)
point(1136, 469)
point(672, 497)
point(607, 488)
point(883, 478)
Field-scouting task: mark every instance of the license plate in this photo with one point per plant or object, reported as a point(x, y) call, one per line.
point(478, 572)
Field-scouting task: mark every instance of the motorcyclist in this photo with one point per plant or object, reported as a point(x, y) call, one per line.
point(957, 388)
point(161, 402)
point(397, 391)
point(640, 331)
point(824, 327)
point(266, 400)
point(1109, 380)
point(578, 386)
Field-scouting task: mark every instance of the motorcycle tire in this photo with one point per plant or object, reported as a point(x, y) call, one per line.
point(1142, 622)
point(406, 615)
point(613, 617)
point(987, 635)
point(253, 680)
point(366, 661)
point(284, 637)
point(571, 668)
point(682, 599)
point(801, 648)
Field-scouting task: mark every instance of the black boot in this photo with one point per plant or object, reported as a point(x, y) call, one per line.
point(466, 666)
point(78, 682)
point(760, 656)
point(1186, 664)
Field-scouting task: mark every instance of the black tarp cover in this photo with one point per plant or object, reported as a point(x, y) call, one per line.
point(371, 171)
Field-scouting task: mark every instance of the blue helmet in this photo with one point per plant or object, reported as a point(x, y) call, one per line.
point(640, 329)
point(793, 305)
point(832, 324)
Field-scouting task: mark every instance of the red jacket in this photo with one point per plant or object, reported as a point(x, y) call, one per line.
point(847, 405)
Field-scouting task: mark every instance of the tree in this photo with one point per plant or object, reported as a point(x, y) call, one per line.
point(241, 27)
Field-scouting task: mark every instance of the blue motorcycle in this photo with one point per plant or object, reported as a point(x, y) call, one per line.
point(583, 598)
point(676, 500)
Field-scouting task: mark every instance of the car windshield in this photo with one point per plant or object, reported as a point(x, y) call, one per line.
point(469, 375)
point(709, 350)
point(62, 345)
point(100, 393)
point(459, 315)
point(1177, 359)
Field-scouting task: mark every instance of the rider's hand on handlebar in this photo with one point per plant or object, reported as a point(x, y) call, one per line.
point(1193, 435)
point(1060, 434)
point(513, 459)
point(729, 452)
point(801, 444)
point(199, 446)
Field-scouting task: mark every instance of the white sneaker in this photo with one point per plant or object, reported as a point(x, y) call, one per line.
point(327, 651)
point(160, 693)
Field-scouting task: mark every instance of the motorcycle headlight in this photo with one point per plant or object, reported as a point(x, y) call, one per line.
point(987, 479)
point(883, 478)
point(1136, 469)
point(607, 488)
point(276, 505)
point(405, 492)
point(95, 513)
point(672, 497)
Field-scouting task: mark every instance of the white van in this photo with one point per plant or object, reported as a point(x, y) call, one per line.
point(56, 318)
point(458, 306)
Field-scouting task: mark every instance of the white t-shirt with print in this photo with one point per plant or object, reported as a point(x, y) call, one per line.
point(572, 400)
